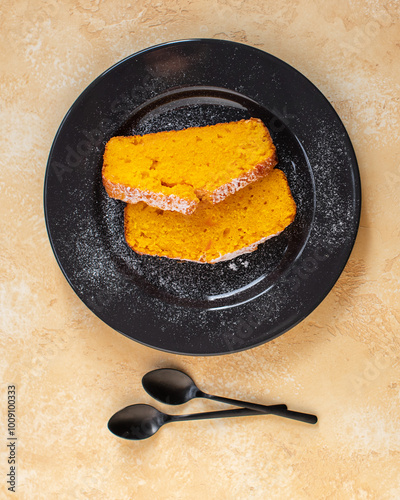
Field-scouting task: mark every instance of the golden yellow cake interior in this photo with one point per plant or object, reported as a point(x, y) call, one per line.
point(214, 232)
point(188, 164)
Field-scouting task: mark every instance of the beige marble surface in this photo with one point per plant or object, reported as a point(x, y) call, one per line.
point(72, 371)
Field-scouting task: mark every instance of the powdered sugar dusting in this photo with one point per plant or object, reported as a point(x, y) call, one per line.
point(249, 249)
point(257, 173)
point(157, 200)
point(197, 284)
point(226, 306)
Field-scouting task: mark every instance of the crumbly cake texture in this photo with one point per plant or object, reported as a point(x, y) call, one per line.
point(214, 233)
point(175, 170)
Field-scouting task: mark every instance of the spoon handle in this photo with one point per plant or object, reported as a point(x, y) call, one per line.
point(280, 412)
point(236, 412)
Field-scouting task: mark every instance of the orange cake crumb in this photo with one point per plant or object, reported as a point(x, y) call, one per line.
point(175, 170)
point(214, 232)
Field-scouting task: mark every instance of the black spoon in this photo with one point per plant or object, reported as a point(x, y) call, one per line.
point(174, 387)
point(141, 421)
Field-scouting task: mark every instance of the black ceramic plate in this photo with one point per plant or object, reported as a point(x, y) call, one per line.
point(185, 307)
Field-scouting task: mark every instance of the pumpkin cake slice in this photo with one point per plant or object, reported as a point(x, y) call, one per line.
point(214, 233)
point(175, 170)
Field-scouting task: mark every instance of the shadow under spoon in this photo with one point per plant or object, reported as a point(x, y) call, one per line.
point(142, 421)
point(174, 387)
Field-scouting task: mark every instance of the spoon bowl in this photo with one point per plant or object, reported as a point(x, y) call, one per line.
point(171, 386)
point(136, 422)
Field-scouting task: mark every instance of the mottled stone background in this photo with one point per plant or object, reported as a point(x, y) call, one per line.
point(72, 371)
